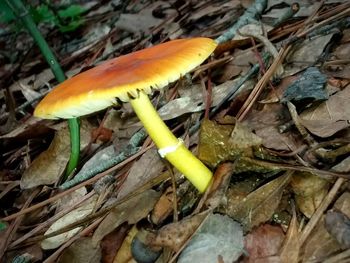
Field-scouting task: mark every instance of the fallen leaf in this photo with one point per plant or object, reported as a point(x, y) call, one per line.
point(289, 252)
point(32, 253)
point(30, 128)
point(343, 166)
point(266, 123)
point(81, 251)
point(50, 164)
point(112, 242)
point(124, 253)
point(313, 248)
point(131, 211)
point(263, 242)
point(142, 21)
point(330, 116)
point(219, 143)
point(253, 29)
point(163, 207)
point(309, 190)
point(309, 48)
point(318, 251)
point(309, 87)
point(192, 99)
point(258, 206)
point(338, 225)
point(70, 199)
point(79, 213)
point(149, 166)
point(324, 128)
point(174, 235)
point(218, 237)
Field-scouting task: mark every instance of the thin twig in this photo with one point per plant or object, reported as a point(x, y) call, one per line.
point(50, 220)
point(320, 210)
point(11, 230)
point(86, 231)
point(90, 181)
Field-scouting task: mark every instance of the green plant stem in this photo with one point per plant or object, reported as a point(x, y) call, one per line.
point(22, 13)
point(74, 131)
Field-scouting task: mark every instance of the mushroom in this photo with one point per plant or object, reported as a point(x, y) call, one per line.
point(131, 78)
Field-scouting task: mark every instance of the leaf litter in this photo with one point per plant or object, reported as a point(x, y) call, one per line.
point(258, 211)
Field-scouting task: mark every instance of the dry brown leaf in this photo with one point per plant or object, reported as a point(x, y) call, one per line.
point(34, 253)
point(309, 50)
point(163, 207)
point(81, 251)
point(320, 244)
point(263, 242)
point(192, 99)
point(309, 190)
point(313, 248)
point(325, 128)
point(50, 164)
point(174, 235)
point(218, 237)
point(219, 143)
point(124, 252)
point(330, 116)
point(258, 206)
point(266, 124)
point(142, 21)
point(130, 211)
point(30, 128)
point(338, 225)
point(112, 242)
point(79, 213)
point(289, 252)
point(149, 166)
point(334, 109)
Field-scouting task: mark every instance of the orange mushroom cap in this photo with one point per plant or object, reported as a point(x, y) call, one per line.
point(123, 77)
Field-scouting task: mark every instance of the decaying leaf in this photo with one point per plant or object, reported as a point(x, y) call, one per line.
point(289, 252)
point(338, 225)
point(265, 124)
point(174, 235)
point(309, 190)
point(319, 251)
point(81, 251)
point(324, 128)
point(71, 217)
point(163, 207)
point(130, 211)
point(145, 169)
point(309, 87)
point(112, 242)
point(330, 116)
point(310, 49)
point(219, 143)
point(258, 206)
point(30, 128)
point(192, 99)
point(50, 164)
point(262, 243)
point(218, 237)
point(142, 21)
point(124, 253)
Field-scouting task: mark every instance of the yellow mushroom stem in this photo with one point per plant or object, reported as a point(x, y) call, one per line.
point(176, 152)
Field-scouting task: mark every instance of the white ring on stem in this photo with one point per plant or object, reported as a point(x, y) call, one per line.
point(169, 149)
